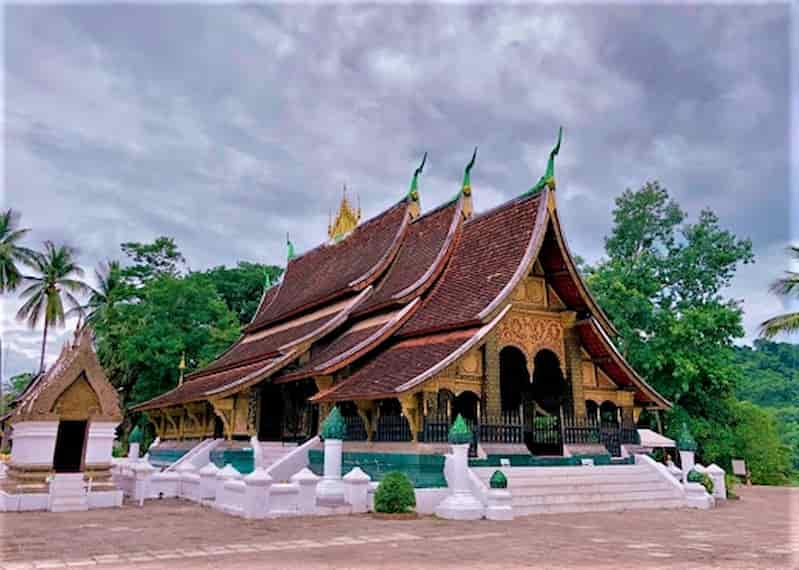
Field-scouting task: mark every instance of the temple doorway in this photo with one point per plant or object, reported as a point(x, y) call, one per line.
point(466, 404)
point(550, 390)
point(69, 445)
point(514, 378)
point(270, 413)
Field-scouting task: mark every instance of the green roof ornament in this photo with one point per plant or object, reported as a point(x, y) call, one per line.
point(459, 433)
point(135, 435)
point(498, 480)
point(466, 186)
point(333, 427)
point(548, 179)
point(413, 193)
point(290, 246)
point(686, 442)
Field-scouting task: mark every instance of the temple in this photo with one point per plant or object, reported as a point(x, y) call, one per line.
point(409, 319)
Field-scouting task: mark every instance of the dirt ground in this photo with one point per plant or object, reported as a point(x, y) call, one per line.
point(759, 531)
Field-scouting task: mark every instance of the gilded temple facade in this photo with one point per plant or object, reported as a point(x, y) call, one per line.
point(409, 319)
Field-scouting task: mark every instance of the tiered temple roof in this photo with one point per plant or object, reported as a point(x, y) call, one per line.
point(401, 296)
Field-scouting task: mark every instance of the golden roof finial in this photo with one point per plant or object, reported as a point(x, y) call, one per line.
point(346, 219)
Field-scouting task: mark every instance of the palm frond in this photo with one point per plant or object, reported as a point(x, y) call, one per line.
point(787, 323)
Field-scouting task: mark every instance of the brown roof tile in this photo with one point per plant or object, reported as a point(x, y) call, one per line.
point(195, 388)
point(331, 270)
point(420, 255)
point(485, 260)
point(267, 347)
point(383, 373)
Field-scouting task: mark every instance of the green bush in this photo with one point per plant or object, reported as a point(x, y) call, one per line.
point(730, 482)
point(703, 478)
point(498, 480)
point(395, 494)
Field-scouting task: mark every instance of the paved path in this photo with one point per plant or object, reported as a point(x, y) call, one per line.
point(756, 532)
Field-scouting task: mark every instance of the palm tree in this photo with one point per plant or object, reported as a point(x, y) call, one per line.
point(10, 252)
point(787, 285)
point(58, 274)
point(109, 292)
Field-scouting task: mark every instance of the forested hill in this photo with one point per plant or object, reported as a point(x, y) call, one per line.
point(771, 379)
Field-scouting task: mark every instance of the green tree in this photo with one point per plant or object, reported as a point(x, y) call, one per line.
point(242, 286)
point(15, 386)
point(11, 252)
point(111, 289)
point(172, 315)
point(662, 284)
point(57, 280)
point(788, 285)
point(150, 260)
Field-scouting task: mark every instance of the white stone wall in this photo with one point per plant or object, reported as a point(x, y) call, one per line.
point(33, 443)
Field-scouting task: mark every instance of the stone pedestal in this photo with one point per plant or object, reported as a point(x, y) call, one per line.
point(307, 481)
point(357, 493)
point(208, 481)
point(256, 495)
point(461, 504)
point(330, 491)
point(500, 505)
point(719, 483)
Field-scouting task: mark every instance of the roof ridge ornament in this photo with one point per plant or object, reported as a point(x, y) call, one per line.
point(415, 206)
point(548, 179)
point(466, 187)
point(346, 219)
point(291, 254)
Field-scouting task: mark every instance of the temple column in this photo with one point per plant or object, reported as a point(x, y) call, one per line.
point(323, 383)
point(493, 398)
point(366, 411)
point(574, 362)
point(410, 409)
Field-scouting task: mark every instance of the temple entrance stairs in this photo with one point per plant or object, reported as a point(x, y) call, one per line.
point(581, 489)
point(272, 451)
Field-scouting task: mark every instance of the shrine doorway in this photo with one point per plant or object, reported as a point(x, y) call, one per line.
point(270, 413)
point(514, 378)
point(466, 404)
point(550, 390)
point(70, 445)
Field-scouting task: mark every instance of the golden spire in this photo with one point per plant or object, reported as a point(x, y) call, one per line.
point(346, 220)
point(182, 367)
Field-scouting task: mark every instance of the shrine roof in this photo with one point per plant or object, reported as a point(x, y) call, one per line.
point(198, 387)
point(493, 252)
point(422, 255)
point(332, 270)
point(331, 355)
point(406, 364)
point(596, 342)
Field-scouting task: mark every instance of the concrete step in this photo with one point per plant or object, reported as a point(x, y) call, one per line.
point(611, 487)
point(515, 483)
point(597, 507)
point(591, 497)
point(566, 471)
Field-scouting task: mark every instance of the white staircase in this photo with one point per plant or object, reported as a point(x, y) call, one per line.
point(67, 493)
point(198, 456)
point(272, 451)
point(584, 489)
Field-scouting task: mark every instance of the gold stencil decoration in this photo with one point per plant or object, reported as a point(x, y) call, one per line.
point(532, 333)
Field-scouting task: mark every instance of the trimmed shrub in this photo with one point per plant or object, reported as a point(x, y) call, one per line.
point(395, 494)
point(695, 476)
point(498, 480)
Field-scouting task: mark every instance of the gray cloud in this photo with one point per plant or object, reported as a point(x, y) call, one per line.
point(227, 126)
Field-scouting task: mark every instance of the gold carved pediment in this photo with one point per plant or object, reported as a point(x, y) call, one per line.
point(531, 333)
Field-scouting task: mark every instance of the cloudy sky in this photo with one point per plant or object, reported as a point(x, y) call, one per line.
point(228, 126)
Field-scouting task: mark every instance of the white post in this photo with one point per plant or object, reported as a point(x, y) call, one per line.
point(133, 452)
point(357, 489)
point(142, 471)
point(461, 504)
point(331, 488)
point(256, 495)
point(307, 481)
point(719, 483)
point(686, 463)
